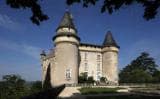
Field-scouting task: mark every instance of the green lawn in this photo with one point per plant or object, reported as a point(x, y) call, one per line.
point(89, 90)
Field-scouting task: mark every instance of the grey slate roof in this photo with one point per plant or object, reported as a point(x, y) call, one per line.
point(91, 45)
point(67, 21)
point(109, 40)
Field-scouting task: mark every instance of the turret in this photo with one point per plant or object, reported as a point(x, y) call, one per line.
point(67, 29)
point(110, 59)
point(66, 43)
point(43, 55)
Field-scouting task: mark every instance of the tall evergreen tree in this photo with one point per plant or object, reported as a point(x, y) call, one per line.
point(141, 70)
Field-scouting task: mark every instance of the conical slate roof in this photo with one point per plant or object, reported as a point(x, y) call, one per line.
point(67, 21)
point(109, 40)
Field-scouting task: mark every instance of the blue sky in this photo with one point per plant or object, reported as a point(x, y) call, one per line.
point(21, 41)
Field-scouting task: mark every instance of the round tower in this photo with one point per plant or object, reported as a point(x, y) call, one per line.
point(110, 59)
point(66, 44)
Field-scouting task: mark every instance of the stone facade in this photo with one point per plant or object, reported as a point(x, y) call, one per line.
point(91, 61)
point(70, 57)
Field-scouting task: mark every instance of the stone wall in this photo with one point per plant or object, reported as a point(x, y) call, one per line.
point(91, 61)
point(110, 62)
point(66, 64)
point(45, 64)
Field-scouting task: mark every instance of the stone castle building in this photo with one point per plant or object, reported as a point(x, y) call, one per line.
point(70, 57)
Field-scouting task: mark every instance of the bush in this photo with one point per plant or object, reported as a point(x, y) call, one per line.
point(103, 79)
point(84, 79)
point(90, 80)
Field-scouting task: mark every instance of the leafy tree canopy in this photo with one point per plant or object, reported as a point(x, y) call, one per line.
point(141, 70)
point(36, 87)
point(103, 79)
point(150, 7)
point(12, 87)
point(37, 14)
point(84, 78)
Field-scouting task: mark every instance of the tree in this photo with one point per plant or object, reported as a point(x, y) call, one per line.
point(141, 70)
point(150, 7)
point(136, 76)
point(90, 79)
point(103, 79)
point(37, 14)
point(36, 87)
point(13, 87)
point(82, 77)
point(156, 77)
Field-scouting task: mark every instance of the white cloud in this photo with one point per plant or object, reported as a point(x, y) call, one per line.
point(29, 50)
point(7, 23)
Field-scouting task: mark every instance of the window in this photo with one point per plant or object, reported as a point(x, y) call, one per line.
point(98, 66)
point(98, 75)
point(85, 66)
point(85, 56)
point(68, 74)
point(85, 74)
point(98, 57)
